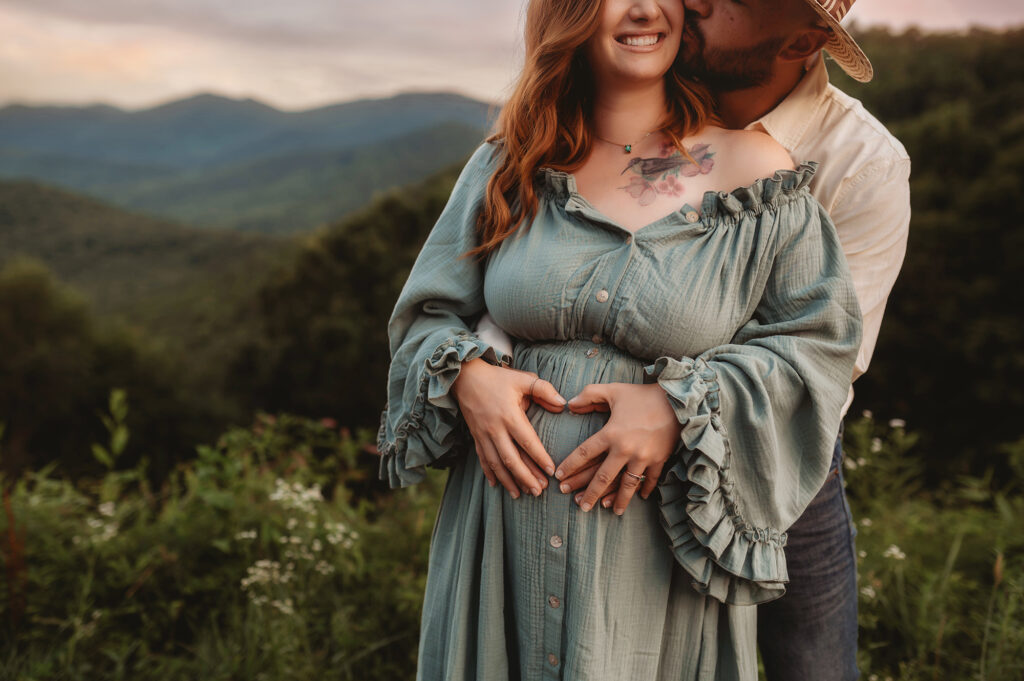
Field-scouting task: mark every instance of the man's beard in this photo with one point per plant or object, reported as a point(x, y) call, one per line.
point(726, 70)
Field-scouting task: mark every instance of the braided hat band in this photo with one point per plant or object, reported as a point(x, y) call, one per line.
point(841, 45)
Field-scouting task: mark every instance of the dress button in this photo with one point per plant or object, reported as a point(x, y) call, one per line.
point(692, 216)
point(602, 296)
point(597, 339)
point(592, 352)
point(556, 541)
point(552, 660)
point(553, 601)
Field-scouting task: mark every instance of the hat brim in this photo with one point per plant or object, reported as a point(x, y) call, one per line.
point(843, 49)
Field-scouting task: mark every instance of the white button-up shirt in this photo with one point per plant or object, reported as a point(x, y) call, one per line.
point(862, 181)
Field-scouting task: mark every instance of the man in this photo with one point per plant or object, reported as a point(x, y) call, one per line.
point(762, 59)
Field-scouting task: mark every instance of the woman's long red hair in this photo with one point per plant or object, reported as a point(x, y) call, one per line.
point(547, 120)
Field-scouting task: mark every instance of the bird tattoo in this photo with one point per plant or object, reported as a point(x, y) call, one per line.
point(661, 174)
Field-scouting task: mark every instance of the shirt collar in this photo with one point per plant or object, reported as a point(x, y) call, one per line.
point(788, 121)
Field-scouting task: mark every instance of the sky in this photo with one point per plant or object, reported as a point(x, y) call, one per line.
point(306, 53)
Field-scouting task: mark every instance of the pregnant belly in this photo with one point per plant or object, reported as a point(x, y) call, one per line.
point(570, 366)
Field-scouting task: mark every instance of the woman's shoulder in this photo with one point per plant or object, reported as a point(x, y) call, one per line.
point(480, 166)
point(746, 156)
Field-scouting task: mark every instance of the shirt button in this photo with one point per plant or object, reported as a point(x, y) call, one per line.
point(602, 296)
point(592, 352)
point(692, 216)
point(556, 541)
point(553, 601)
point(552, 660)
point(597, 339)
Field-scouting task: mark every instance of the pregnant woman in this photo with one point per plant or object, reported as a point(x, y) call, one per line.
point(680, 284)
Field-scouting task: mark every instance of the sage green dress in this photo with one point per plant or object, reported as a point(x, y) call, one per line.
point(745, 314)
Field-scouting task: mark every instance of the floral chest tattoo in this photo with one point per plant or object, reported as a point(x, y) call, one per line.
point(663, 174)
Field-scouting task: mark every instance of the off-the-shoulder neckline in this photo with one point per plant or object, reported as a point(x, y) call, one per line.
point(762, 193)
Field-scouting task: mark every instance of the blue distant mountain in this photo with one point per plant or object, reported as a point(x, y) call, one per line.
point(210, 160)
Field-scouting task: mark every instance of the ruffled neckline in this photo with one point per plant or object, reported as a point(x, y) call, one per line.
point(766, 192)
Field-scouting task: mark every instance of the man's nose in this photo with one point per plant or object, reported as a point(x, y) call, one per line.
point(701, 8)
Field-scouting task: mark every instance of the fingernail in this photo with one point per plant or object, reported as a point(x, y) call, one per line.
point(578, 497)
point(536, 491)
point(559, 474)
point(515, 495)
point(606, 503)
point(550, 470)
point(492, 484)
point(586, 506)
point(564, 487)
point(619, 511)
point(561, 400)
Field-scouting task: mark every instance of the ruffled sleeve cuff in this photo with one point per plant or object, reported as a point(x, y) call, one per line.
point(728, 559)
point(427, 433)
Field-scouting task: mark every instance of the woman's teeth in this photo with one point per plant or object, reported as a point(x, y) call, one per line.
point(639, 40)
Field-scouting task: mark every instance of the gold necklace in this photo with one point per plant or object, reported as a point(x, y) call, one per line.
point(628, 148)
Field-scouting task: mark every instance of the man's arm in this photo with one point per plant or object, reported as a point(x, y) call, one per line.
point(872, 216)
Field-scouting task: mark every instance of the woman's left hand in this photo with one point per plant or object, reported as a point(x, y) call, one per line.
point(641, 434)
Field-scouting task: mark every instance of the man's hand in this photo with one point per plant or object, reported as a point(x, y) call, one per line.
point(641, 434)
point(494, 401)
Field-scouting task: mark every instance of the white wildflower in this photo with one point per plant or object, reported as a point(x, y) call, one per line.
point(265, 572)
point(338, 533)
point(317, 545)
point(286, 606)
point(868, 592)
point(876, 444)
point(323, 567)
point(862, 461)
point(246, 534)
point(894, 552)
point(106, 530)
point(862, 554)
point(873, 677)
point(296, 497)
point(867, 414)
point(292, 522)
point(850, 464)
point(106, 509)
point(897, 423)
point(866, 522)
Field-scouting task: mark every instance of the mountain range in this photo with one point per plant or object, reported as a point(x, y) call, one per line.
point(212, 161)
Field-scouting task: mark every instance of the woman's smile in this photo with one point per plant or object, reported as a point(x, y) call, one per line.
point(641, 42)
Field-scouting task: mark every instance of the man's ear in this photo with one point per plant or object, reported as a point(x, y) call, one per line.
point(804, 44)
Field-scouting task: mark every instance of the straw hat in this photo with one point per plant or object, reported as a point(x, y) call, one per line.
point(841, 45)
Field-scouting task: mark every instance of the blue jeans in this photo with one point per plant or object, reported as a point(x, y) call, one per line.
point(811, 632)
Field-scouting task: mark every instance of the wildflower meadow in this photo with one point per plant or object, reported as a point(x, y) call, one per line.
point(273, 555)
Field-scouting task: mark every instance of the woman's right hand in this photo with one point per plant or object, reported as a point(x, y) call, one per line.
point(494, 400)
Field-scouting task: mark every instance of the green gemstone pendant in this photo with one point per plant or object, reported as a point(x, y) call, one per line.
point(629, 148)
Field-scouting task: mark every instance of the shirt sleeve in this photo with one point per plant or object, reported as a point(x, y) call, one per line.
point(429, 336)
point(872, 215)
point(759, 415)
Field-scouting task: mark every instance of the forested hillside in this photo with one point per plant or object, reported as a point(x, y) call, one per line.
point(210, 161)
